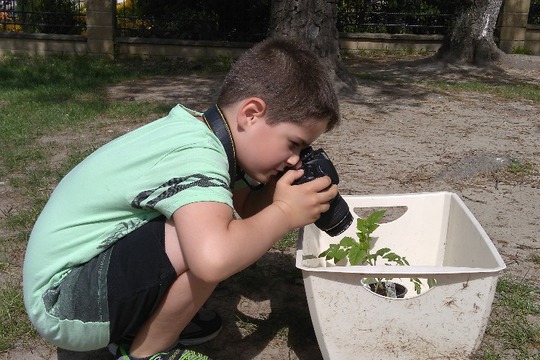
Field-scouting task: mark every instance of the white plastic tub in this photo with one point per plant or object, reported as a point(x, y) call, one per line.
point(442, 240)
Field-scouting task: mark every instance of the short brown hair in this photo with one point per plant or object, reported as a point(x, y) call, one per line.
point(288, 77)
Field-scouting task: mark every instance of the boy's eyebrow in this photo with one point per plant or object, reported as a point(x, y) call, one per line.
point(301, 142)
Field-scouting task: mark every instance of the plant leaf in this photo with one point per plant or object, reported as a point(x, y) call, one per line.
point(375, 217)
point(381, 252)
point(417, 285)
point(347, 241)
point(356, 255)
point(339, 255)
point(324, 253)
point(330, 252)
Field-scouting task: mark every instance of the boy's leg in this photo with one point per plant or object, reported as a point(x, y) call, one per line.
point(180, 304)
point(152, 294)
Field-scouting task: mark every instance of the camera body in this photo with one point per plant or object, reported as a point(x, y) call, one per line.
point(316, 164)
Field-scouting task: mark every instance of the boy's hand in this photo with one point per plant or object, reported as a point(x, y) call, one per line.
point(303, 204)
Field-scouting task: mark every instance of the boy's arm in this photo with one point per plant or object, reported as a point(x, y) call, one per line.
point(248, 202)
point(215, 246)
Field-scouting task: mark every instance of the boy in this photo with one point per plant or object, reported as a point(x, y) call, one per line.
point(134, 239)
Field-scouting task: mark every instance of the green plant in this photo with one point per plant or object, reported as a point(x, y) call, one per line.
point(522, 50)
point(360, 251)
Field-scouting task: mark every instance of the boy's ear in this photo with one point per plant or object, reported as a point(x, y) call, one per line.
point(251, 110)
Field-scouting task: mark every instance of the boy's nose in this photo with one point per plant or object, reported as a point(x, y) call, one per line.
point(293, 160)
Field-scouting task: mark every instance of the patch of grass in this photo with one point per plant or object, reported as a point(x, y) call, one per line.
point(77, 72)
point(14, 325)
point(518, 171)
point(510, 327)
point(489, 354)
point(245, 326)
point(518, 167)
point(283, 333)
point(221, 63)
point(512, 91)
point(522, 50)
point(287, 242)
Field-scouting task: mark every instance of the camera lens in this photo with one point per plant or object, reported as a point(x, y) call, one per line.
point(337, 219)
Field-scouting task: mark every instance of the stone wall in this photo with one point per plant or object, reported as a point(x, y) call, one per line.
point(41, 44)
point(405, 42)
point(532, 39)
point(513, 25)
point(171, 49)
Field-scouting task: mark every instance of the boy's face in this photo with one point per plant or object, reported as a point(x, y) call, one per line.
point(265, 150)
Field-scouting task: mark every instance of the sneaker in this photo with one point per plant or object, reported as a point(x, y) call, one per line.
point(204, 326)
point(175, 353)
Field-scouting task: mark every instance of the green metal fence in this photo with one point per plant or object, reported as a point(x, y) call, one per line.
point(243, 20)
point(534, 12)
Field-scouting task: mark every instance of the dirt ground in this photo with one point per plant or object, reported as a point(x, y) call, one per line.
point(396, 137)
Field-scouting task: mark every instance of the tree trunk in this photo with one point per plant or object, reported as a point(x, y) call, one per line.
point(313, 22)
point(470, 40)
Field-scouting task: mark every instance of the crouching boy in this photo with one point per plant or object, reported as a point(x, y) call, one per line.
point(134, 239)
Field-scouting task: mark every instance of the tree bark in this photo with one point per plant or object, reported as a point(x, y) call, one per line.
point(313, 22)
point(470, 39)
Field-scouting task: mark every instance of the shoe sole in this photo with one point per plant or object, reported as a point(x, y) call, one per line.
point(199, 340)
point(184, 342)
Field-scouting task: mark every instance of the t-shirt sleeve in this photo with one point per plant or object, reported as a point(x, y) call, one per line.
point(188, 175)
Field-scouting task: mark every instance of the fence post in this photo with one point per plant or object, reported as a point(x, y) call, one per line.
point(100, 26)
point(513, 24)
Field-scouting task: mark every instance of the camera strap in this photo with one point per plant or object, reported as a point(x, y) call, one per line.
point(214, 119)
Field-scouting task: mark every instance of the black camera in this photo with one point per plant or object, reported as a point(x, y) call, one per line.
point(316, 164)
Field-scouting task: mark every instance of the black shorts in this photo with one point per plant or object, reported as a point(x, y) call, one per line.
point(138, 278)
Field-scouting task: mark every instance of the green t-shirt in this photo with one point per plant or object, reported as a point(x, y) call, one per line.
point(152, 170)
